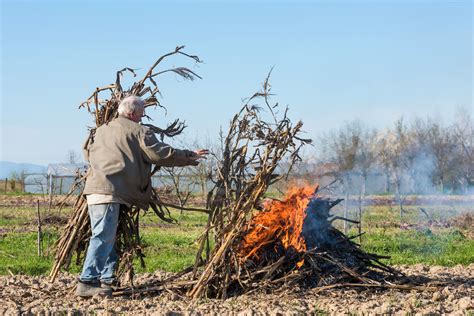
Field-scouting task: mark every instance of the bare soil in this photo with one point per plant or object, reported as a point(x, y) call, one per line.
point(28, 295)
point(19, 201)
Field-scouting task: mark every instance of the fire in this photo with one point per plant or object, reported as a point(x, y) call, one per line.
point(280, 223)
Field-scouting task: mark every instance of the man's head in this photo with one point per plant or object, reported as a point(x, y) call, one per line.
point(132, 107)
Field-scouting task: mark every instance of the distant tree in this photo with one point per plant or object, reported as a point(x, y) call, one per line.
point(441, 143)
point(393, 147)
point(341, 148)
point(41, 181)
point(73, 156)
point(366, 156)
point(421, 173)
point(191, 180)
point(463, 134)
point(365, 162)
point(201, 173)
point(17, 178)
point(181, 184)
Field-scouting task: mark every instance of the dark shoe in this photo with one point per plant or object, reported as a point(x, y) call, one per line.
point(89, 289)
point(113, 286)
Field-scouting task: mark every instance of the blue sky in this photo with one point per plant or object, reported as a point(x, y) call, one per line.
point(334, 61)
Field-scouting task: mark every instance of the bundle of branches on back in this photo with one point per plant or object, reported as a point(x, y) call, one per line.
point(75, 236)
point(259, 137)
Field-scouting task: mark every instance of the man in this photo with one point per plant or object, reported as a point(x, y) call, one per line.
point(121, 158)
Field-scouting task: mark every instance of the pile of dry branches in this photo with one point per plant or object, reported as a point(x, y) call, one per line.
point(75, 237)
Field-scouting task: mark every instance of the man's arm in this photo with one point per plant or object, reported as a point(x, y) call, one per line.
point(164, 155)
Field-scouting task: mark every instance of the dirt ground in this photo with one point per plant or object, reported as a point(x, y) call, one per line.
point(26, 295)
point(18, 201)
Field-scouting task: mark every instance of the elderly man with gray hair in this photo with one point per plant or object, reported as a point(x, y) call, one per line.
point(121, 158)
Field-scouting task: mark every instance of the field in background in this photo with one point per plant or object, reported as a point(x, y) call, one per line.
point(442, 235)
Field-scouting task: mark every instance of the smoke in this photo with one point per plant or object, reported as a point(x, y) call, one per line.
point(419, 174)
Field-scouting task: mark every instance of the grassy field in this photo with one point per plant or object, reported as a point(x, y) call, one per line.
point(172, 247)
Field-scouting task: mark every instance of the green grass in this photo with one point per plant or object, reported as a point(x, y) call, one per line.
point(18, 253)
point(14, 216)
point(172, 247)
point(169, 247)
point(169, 250)
point(447, 247)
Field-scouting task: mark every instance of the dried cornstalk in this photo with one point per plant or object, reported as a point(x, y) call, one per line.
point(75, 236)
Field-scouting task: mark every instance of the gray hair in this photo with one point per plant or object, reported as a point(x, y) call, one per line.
point(130, 105)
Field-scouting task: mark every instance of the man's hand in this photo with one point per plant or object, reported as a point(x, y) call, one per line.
point(200, 154)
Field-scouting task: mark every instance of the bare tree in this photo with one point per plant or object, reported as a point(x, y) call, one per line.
point(392, 148)
point(201, 174)
point(41, 182)
point(365, 161)
point(73, 156)
point(341, 147)
point(17, 178)
point(439, 141)
point(442, 144)
point(463, 133)
point(182, 184)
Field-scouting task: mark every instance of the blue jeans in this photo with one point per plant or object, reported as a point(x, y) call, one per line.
point(101, 259)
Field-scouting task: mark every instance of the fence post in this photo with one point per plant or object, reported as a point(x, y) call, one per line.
point(40, 237)
point(50, 192)
point(6, 183)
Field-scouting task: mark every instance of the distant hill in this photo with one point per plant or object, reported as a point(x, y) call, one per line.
point(7, 168)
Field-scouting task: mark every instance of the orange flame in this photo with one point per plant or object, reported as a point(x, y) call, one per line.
point(280, 221)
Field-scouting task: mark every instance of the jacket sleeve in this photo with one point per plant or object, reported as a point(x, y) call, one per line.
point(85, 149)
point(164, 155)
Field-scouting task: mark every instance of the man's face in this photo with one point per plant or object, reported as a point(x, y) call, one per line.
point(137, 115)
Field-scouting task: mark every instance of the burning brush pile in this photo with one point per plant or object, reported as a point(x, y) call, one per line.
point(292, 242)
point(269, 244)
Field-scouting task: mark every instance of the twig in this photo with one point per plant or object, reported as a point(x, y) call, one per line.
point(8, 254)
point(344, 219)
point(194, 209)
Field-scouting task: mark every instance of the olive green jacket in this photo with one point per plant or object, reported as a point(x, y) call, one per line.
point(121, 157)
